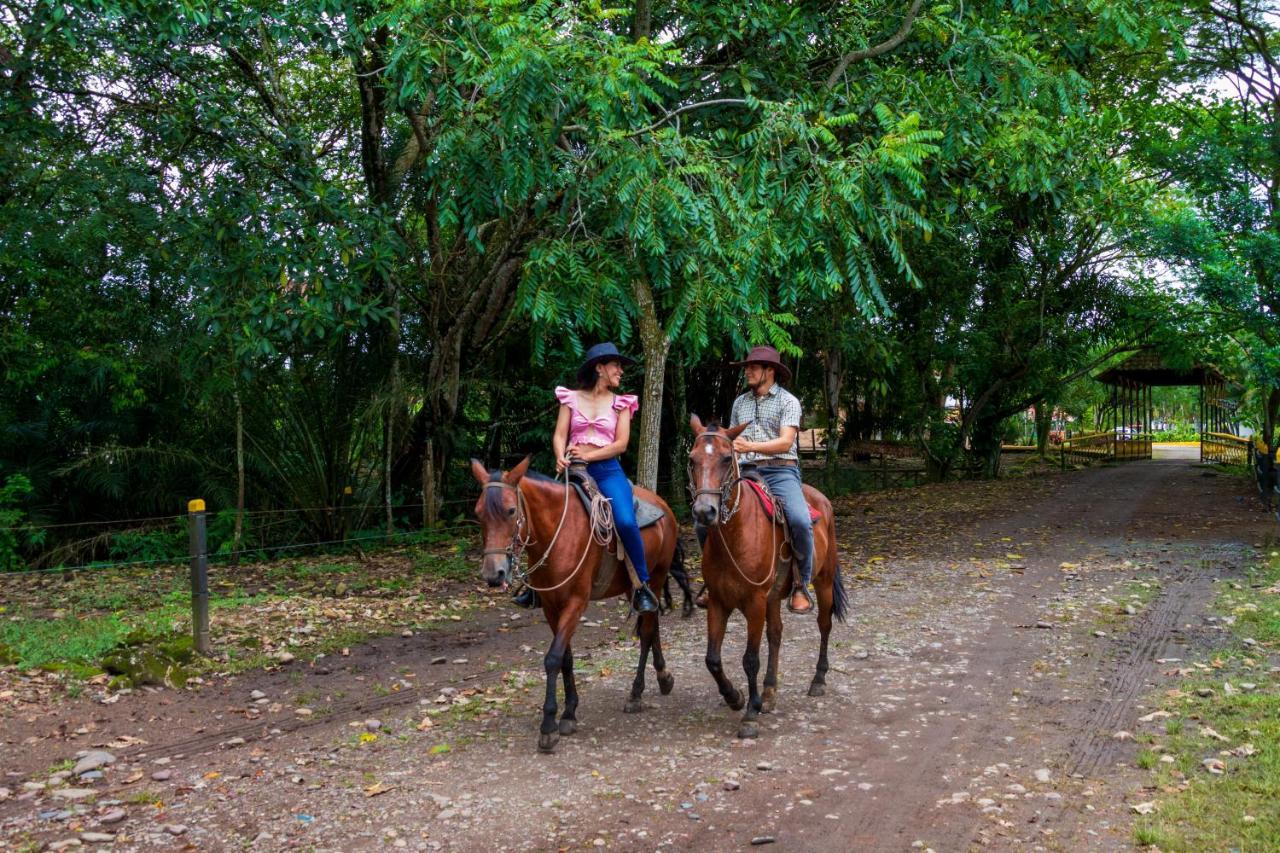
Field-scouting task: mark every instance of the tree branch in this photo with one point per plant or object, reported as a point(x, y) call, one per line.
point(883, 47)
point(686, 108)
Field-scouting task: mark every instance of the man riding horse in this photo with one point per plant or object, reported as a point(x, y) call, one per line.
point(770, 445)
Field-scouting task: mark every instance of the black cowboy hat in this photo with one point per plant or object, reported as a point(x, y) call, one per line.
point(603, 352)
point(767, 356)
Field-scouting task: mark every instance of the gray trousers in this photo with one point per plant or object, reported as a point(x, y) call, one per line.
point(784, 482)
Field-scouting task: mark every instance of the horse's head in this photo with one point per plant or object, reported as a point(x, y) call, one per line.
point(500, 511)
point(711, 469)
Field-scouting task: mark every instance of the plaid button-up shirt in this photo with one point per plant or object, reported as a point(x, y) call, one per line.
point(767, 415)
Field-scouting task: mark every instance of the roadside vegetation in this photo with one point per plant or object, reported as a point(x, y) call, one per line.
point(129, 626)
point(1215, 757)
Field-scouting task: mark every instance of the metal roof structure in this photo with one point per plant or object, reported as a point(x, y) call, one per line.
point(1149, 369)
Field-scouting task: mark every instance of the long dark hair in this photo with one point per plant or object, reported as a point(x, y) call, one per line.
point(587, 376)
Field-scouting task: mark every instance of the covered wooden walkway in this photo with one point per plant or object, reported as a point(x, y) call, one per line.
point(1126, 433)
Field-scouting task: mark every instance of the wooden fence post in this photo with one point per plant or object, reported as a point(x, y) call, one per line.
point(199, 546)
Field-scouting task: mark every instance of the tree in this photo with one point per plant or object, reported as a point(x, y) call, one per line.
point(1217, 139)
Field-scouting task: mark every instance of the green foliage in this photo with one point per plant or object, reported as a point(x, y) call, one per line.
point(15, 534)
point(321, 242)
point(71, 639)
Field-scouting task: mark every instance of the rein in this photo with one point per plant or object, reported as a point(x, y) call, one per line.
point(519, 541)
point(727, 513)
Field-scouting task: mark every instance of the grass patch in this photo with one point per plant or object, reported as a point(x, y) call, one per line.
point(36, 643)
point(1239, 727)
point(453, 566)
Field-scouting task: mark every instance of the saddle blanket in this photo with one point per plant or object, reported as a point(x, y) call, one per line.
point(767, 502)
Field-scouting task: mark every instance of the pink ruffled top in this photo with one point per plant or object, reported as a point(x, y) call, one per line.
point(599, 431)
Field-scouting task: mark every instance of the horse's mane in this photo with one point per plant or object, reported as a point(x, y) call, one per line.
point(493, 505)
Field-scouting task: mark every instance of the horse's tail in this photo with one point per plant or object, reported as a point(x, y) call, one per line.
point(840, 598)
point(678, 572)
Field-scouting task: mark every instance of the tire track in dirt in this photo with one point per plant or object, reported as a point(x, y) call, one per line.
point(1153, 637)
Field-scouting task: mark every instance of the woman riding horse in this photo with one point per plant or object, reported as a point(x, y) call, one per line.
point(594, 426)
point(524, 513)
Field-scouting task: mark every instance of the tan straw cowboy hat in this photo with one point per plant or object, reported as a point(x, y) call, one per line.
point(766, 356)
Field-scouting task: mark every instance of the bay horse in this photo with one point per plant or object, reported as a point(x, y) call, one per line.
point(740, 565)
point(522, 511)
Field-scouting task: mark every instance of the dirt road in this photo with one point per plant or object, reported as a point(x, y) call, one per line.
point(1002, 634)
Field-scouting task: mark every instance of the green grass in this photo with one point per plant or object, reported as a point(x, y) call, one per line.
point(72, 639)
point(1211, 811)
point(451, 567)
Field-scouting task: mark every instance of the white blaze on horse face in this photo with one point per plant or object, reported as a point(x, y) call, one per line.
point(708, 447)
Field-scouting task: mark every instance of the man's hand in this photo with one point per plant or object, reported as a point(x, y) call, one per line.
point(742, 445)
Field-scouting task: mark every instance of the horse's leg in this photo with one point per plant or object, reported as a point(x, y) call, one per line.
point(666, 681)
point(569, 719)
point(826, 596)
point(563, 625)
point(646, 624)
point(773, 631)
point(755, 614)
point(717, 619)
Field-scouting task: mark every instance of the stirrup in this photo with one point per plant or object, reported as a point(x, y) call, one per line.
point(527, 598)
point(803, 589)
point(643, 600)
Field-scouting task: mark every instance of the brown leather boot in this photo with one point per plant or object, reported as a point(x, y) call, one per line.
point(801, 601)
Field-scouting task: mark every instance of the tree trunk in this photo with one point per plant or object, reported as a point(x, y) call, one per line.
point(1271, 413)
point(428, 488)
point(985, 441)
point(833, 376)
point(679, 409)
point(386, 472)
point(656, 347)
point(238, 535)
point(1044, 422)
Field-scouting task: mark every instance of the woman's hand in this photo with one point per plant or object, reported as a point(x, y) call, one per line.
point(563, 462)
point(583, 452)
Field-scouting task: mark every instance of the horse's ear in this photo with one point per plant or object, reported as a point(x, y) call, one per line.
point(479, 472)
point(513, 476)
point(695, 424)
point(734, 432)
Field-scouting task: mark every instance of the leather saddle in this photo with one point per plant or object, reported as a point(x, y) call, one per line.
point(646, 513)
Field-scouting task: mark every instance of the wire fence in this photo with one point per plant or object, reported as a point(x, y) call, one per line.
point(262, 546)
point(261, 526)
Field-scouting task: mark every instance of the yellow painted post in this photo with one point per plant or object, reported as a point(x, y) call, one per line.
point(344, 512)
point(197, 538)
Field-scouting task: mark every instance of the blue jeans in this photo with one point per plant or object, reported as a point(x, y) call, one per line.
point(784, 481)
point(615, 486)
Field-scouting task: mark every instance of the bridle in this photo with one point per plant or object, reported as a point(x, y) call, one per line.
point(727, 511)
point(519, 540)
point(730, 484)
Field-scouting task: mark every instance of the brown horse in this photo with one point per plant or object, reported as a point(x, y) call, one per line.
point(740, 565)
point(520, 511)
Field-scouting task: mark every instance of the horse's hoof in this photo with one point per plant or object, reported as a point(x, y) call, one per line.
point(568, 727)
point(734, 700)
point(768, 703)
point(633, 706)
point(687, 610)
point(666, 683)
point(748, 731)
point(817, 689)
point(547, 742)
